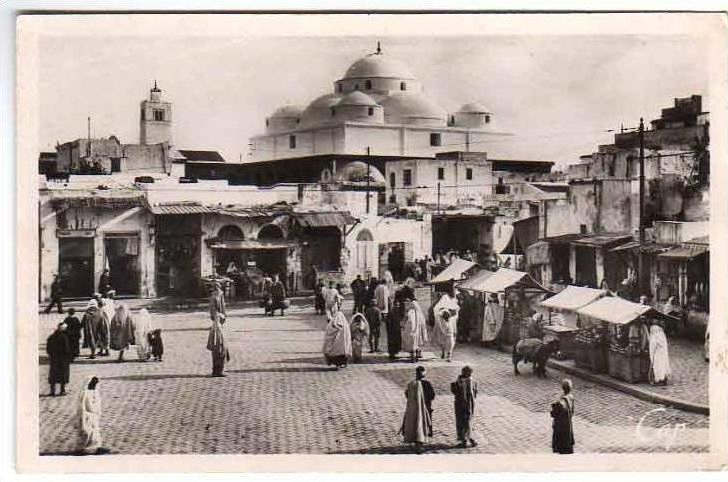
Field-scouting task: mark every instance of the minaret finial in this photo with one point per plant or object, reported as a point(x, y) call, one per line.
point(379, 48)
point(155, 84)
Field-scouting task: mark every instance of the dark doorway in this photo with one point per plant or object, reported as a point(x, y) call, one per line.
point(178, 255)
point(76, 266)
point(560, 263)
point(586, 268)
point(122, 259)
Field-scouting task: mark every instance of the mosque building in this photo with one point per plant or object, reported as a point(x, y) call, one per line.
point(380, 107)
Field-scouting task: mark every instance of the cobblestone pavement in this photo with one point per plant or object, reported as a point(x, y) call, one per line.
point(280, 397)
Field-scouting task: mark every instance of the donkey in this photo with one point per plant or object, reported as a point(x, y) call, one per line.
point(534, 350)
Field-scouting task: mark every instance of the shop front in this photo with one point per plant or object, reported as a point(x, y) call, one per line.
point(76, 262)
point(122, 255)
point(178, 255)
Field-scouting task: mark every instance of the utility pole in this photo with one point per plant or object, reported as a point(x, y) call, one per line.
point(88, 128)
point(368, 172)
point(641, 274)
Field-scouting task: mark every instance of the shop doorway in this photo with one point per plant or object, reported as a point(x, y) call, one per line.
point(122, 260)
point(76, 266)
point(586, 268)
point(178, 255)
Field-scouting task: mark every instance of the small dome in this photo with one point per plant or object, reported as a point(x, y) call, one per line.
point(474, 108)
point(356, 172)
point(287, 111)
point(402, 108)
point(319, 111)
point(357, 98)
point(378, 66)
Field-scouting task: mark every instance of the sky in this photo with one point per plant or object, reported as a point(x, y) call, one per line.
point(557, 95)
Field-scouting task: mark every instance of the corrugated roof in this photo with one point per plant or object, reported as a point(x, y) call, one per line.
point(685, 252)
point(614, 310)
point(455, 271)
point(179, 208)
point(251, 244)
point(572, 298)
point(649, 248)
point(603, 239)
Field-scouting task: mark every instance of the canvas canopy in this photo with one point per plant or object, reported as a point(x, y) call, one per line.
point(615, 310)
point(455, 271)
point(573, 298)
point(475, 280)
point(506, 278)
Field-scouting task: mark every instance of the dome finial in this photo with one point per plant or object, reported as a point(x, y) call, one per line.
point(379, 48)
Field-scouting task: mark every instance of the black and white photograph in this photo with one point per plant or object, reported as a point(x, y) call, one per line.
point(461, 235)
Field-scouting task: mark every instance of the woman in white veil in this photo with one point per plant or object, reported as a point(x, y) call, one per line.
point(89, 417)
point(143, 326)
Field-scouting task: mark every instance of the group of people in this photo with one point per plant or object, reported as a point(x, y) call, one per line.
point(99, 333)
point(375, 304)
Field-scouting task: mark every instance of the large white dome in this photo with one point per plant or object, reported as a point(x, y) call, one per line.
point(378, 66)
point(413, 108)
point(319, 111)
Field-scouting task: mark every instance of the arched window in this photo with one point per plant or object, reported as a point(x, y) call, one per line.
point(231, 233)
point(338, 87)
point(371, 111)
point(356, 86)
point(403, 86)
point(392, 180)
point(333, 112)
point(368, 85)
point(365, 255)
point(487, 119)
point(270, 231)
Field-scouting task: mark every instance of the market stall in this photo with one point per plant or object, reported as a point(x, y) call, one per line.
point(456, 271)
point(517, 293)
point(625, 335)
point(563, 321)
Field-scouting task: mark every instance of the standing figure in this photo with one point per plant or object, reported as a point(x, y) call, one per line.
point(465, 389)
point(359, 335)
point(319, 302)
point(381, 299)
point(89, 414)
point(706, 345)
point(374, 317)
point(89, 323)
point(142, 328)
point(73, 331)
point(278, 296)
point(659, 356)
point(389, 281)
point(535, 326)
point(414, 334)
point(56, 294)
point(155, 341)
point(122, 330)
point(445, 328)
point(337, 340)
point(492, 321)
point(416, 423)
point(331, 299)
point(217, 346)
point(358, 290)
point(393, 323)
point(105, 282)
point(216, 302)
point(59, 356)
point(562, 411)
point(103, 328)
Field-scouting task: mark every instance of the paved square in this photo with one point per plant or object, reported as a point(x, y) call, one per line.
point(280, 397)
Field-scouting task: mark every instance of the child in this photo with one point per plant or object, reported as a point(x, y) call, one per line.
point(359, 333)
point(155, 341)
point(374, 316)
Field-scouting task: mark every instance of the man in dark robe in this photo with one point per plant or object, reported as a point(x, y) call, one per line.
point(56, 294)
point(89, 323)
point(59, 356)
point(278, 296)
point(73, 331)
point(358, 290)
point(374, 318)
point(465, 389)
point(427, 390)
point(562, 411)
point(104, 282)
point(394, 330)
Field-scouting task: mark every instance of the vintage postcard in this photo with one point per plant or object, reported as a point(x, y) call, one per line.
point(389, 243)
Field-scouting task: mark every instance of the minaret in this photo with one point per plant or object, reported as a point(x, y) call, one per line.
point(155, 121)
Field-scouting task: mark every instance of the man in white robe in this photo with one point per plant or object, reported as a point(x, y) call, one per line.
point(659, 356)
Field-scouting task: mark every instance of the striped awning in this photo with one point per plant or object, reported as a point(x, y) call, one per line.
point(179, 208)
point(319, 220)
